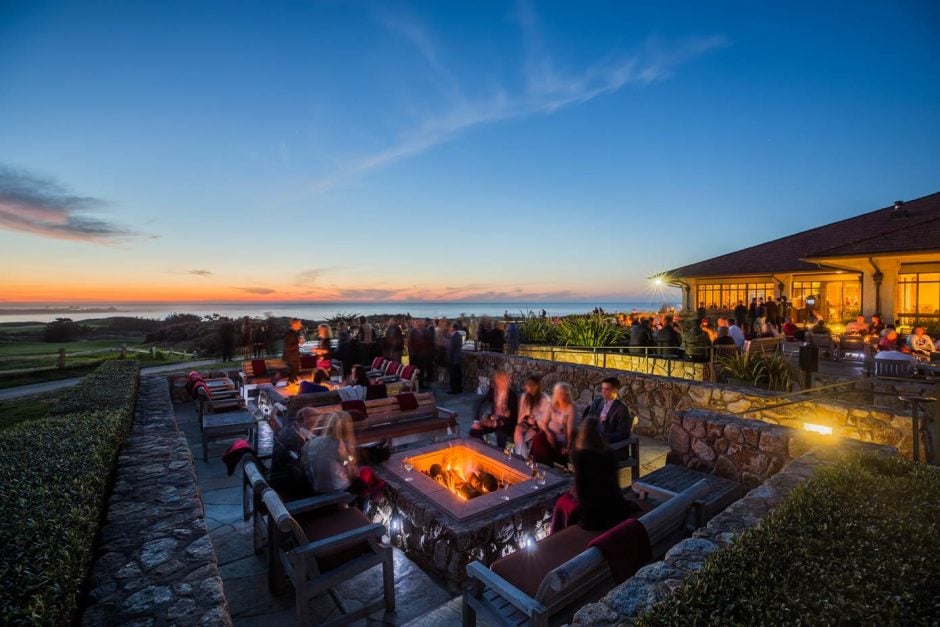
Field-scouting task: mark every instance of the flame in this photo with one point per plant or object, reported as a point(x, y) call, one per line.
point(466, 473)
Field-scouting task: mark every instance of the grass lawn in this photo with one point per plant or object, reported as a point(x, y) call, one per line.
point(23, 355)
point(29, 408)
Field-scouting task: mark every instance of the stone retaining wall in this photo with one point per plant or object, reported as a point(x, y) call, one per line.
point(657, 400)
point(155, 564)
point(654, 582)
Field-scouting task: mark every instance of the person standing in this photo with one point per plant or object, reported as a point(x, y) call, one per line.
point(292, 342)
point(366, 340)
point(227, 339)
point(740, 313)
point(513, 337)
point(246, 336)
point(455, 361)
point(394, 340)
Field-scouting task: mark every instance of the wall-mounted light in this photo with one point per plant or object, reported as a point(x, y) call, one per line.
point(821, 429)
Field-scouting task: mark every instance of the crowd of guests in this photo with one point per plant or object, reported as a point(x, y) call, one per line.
point(546, 428)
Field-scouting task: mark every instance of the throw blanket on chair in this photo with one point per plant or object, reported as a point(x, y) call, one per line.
point(564, 513)
point(626, 548)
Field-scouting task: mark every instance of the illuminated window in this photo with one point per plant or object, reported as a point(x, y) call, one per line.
point(726, 296)
point(919, 296)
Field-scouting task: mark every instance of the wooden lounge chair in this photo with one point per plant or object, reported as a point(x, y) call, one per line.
point(319, 543)
point(764, 346)
point(894, 369)
point(546, 586)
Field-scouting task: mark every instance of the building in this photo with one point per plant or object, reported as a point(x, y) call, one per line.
point(886, 261)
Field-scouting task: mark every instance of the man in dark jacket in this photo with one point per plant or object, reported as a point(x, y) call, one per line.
point(455, 360)
point(612, 413)
point(641, 335)
point(668, 337)
point(740, 313)
point(292, 342)
point(497, 411)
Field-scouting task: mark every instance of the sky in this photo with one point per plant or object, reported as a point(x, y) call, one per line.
point(444, 150)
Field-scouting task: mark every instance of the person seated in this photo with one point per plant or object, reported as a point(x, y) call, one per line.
point(287, 473)
point(319, 377)
point(877, 326)
point(497, 411)
point(790, 329)
point(357, 384)
point(724, 338)
point(706, 328)
point(890, 341)
point(612, 414)
point(556, 431)
point(859, 327)
point(534, 406)
point(820, 328)
point(641, 336)
point(601, 504)
point(920, 344)
point(329, 460)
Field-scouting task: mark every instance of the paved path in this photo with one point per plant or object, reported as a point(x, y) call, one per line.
point(51, 386)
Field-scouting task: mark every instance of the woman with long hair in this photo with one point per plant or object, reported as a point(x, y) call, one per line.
point(330, 458)
point(533, 408)
point(596, 501)
point(556, 430)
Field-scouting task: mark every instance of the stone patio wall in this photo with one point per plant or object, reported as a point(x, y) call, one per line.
point(155, 564)
point(654, 582)
point(657, 400)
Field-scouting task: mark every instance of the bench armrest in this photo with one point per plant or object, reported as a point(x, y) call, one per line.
point(623, 444)
point(342, 540)
point(450, 413)
point(309, 504)
point(509, 592)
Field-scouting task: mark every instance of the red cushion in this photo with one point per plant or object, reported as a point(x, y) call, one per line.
point(359, 406)
point(377, 363)
point(258, 368)
point(407, 401)
point(325, 364)
point(526, 568)
point(391, 368)
point(408, 372)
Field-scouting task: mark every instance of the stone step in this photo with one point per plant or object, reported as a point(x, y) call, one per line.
point(446, 615)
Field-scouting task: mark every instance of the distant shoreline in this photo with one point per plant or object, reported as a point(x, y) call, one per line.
point(55, 310)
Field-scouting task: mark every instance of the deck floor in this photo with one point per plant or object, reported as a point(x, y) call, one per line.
point(420, 599)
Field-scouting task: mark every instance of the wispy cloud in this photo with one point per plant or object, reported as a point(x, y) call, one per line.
point(547, 88)
point(305, 278)
point(199, 272)
point(261, 291)
point(42, 206)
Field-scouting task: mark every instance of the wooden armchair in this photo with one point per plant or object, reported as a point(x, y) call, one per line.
point(547, 586)
point(319, 543)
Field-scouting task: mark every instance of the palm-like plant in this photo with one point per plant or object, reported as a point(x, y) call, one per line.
point(536, 330)
point(770, 372)
point(593, 331)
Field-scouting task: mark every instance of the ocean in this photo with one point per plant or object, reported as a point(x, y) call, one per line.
point(46, 312)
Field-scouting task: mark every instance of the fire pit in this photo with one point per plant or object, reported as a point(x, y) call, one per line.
point(463, 500)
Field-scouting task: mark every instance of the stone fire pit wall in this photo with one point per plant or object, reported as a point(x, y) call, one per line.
point(657, 400)
point(445, 546)
point(155, 564)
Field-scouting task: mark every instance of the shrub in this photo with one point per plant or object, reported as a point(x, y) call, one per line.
point(859, 544)
point(54, 475)
point(772, 372)
point(536, 330)
point(111, 387)
point(594, 331)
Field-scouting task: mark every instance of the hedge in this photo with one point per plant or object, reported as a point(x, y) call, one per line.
point(54, 477)
point(859, 544)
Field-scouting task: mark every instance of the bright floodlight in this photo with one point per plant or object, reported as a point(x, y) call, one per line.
point(658, 280)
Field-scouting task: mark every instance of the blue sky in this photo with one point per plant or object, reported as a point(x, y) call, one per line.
point(479, 150)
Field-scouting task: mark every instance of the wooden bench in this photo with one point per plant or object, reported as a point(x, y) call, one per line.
point(764, 346)
point(548, 585)
point(321, 542)
point(663, 484)
point(386, 420)
point(249, 380)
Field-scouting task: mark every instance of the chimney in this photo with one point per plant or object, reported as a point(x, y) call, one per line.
point(899, 210)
